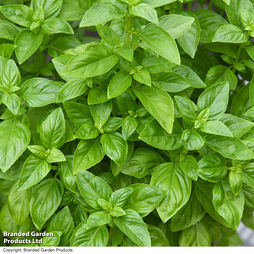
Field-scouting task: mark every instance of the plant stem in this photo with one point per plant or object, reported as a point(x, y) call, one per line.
point(210, 5)
point(127, 30)
point(128, 27)
point(238, 55)
point(110, 236)
point(189, 5)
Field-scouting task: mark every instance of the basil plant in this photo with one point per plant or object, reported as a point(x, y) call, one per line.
point(126, 122)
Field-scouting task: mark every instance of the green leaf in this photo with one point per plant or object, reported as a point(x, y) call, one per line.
point(51, 8)
point(61, 44)
point(79, 214)
point(154, 135)
point(242, 101)
point(201, 118)
point(233, 10)
point(62, 221)
point(100, 14)
point(231, 148)
point(104, 204)
point(115, 147)
point(248, 218)
point(217, 128)
point(117, 212)
point(247, 19)
point(196, 235)
point(141, 162)
point(250, 51)
point(133, 226)
point(108, 35)
point(248, 193)
point(98, 219)
point(93, 62)
point(158, 238)
point(156, 3)
point(230, 34)
point(66, 174)
point(18, 204)
point(8, 224)
point(10, 75)
point(159, 104)
point(93, 237)
point(235, 181)
point(125, 102)
point(13, 173)
point(144, 199)
point(189, 41)
point(97, 95)
point(238, 126)
point(39, 92)
point(119, 84)
point(189, 166)
point(117, 237)
point(227, 205)
point(27, 43)
point(78, 113)
point(45, 200)
point(49, 241)
point(118, 198)
point(56, 25)
point(20, 14)
point(210, 22)
point(14, 139)
point(171, 82)
point(101, 113)
point(12, 102)
point(227, 2)
point(192, 140)
point(203, 191)
point(188, 215)
point(248, 175)
point(5, 186)
point(93, 188)
point(55, 155)
point(6, 50)
point(176, 25)
point(33, 171)
point(72, 89)
point(60, 63)
point(220, 73)
point(129, 126)
point(187, 109)
point(145, 11)
point(170, 178)
point(216, 99)
point(87, 131)
point(251, 89)
point(188, 74)
point(38, 18)
point(87, 154)
point(160, 42)
point(126, 51)
point(8, 30)
point(212, 168)
point(113, 124)
point(143, 77)
point(72, 11)
point(156, 64)
point(224, 48)
point(52, 130)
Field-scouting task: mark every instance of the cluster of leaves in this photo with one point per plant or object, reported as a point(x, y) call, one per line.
point(143, 137)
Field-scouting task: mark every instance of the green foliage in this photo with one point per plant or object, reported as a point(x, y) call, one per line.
point(138, 134)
